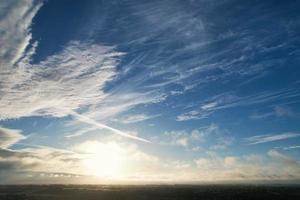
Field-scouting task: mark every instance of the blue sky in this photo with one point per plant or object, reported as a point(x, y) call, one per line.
point(149, 91)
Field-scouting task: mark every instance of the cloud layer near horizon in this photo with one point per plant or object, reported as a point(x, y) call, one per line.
point(68, 165)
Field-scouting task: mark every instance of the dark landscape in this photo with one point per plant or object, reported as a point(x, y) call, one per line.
point(205, 192)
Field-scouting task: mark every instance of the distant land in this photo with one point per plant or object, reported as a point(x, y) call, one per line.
point(145, 192)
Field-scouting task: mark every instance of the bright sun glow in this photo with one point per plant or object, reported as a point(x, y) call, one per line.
point(104, 160)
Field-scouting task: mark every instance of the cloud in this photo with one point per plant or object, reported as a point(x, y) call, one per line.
point(258, 139)
point(192, 115)
point(209, 105)
point(9, 137)
point(203, 163)
point(71, 79)
point(230, 161)
point(32, 160)
point(66, 164)
point(82, 162)
point(291, 147)
point(229, 100)
point(177, 138)
point(283, 158)
point(15, 21)
point(283, 111)
point(223, 142)
point(122, 98)
point(80, 132)
point(261, 115)
point(147, 77)
point(210, 137)
point(63, 82)
point(99, 125)
point(278, 111)
point(93, 66)
point(87, 80)
point(135, 118)
point(248, 167)
point(87, 159)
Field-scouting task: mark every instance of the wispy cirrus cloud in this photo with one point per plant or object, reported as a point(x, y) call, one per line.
point(230, 100)
point(258, 139)
point(66, 81)
point(9, 137)
point(149, 84)
point(291, 147)
point(284, 158)
point(134, 118)
point(69, 80)
point(148, 76)
point(277, 111)
point(15, 21)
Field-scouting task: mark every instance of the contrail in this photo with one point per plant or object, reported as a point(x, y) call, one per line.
point(90, 121)
point(41, 147)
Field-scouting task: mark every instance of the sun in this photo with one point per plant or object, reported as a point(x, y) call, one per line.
point(105, 160)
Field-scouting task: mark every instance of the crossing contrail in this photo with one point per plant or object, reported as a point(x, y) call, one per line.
point(90, 121)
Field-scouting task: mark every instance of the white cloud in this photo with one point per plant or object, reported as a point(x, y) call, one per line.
point(178, 164)
point(99, 125)
point(248, 168)
point(181, 141)
point(209, 105)
point(203, 163)
point(32, 160)
point(230, 161)
point(177, 138)
point(278, 111)
point(9, 137)
point(135, 118)
point(197, 138)
point(123, 98)
point(227, 100)
point(217, 163)
point(283, 158)
point(292, 147)
point(15, 22)
point(258, 139)
point(192, 115)
point(90, 158)
point(69, 80)
point(222, 142)
point(80, 132)
point(63, 83)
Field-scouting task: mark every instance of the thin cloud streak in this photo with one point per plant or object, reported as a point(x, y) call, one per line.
point(258, 139)
point(90, 121)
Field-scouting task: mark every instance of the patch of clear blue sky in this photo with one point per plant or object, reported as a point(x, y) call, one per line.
point(252, 49)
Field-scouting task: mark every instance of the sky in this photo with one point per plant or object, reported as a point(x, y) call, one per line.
point(162, 91)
